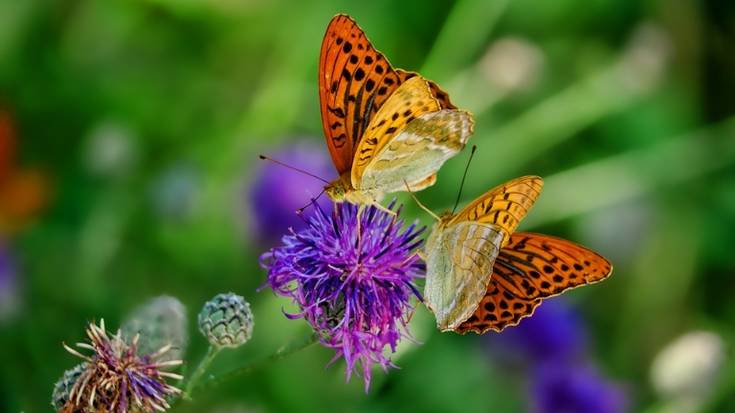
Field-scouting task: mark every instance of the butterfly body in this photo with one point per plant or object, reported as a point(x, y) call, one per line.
point(483, 276)
point(385, 128)
point(341, 190)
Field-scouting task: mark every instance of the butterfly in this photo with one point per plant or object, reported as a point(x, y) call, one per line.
point(22, 191)
point(482, 276)
point(385, 128)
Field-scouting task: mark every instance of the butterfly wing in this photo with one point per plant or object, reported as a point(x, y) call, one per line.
point(459, 262)
point(354, 82)
point(418, 152)
point(503, 206)
point(440, 95)
point(411, 99)
point(527, 270)
point(409, 139)
point(459, 250)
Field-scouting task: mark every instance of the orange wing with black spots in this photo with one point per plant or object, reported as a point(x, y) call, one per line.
point(354, 82)
point(411, 100)
point(530, 268)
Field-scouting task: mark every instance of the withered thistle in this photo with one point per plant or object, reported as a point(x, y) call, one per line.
point(117, 379)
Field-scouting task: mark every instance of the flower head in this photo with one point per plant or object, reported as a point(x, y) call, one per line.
point(554, 333)
point(575, 388)
point(176, 191)
point(117, 379)
point(278, 191)
point(226, 321)
point(63, 387)
point(9, 294)
point(687, 370)
point(111, 149)
point(353, 282)
point(159, 321)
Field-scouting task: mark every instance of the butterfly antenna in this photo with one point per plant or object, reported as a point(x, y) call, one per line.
point(312, 202)
point(461, 185)
point(268, 158)
point(422, 206)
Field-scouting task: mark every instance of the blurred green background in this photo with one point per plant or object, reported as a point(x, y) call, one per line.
point(145, 119)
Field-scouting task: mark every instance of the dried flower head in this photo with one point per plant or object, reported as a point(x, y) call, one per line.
point(117, 379)
point(352, 282)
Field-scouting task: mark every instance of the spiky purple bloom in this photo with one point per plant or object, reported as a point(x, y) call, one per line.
point(353, 290)
point(276, 191)
point(117, 379)
point(575, 388)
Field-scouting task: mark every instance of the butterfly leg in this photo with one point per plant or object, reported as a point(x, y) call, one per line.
point(360, 208)
point(376, 204)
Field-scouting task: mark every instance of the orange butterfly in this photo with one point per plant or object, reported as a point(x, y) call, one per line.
point(385, 128)
point(482, 276)
point(22, 192)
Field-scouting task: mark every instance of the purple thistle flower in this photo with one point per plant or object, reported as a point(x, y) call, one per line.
point(554, 333)
point(118, 380)
point(354, 291)
point(278, 191)
point(574, 388)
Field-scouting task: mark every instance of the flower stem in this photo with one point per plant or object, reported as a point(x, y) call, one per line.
point(282, 352)
point(201, 368)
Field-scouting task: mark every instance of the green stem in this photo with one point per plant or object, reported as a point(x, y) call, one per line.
point(201, 368)
point(281, 353)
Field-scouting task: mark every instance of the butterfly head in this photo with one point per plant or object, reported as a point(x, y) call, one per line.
point(337, 190)
point(440, 226)
point(444, 218)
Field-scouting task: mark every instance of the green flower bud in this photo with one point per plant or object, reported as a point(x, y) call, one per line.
point(226, 321)
point(63, 387)
point(159, 322)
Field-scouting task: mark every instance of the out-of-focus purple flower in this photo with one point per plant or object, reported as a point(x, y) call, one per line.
point(116, 379)
point(574, 388)
point(554, 332)
point(8, 284)
point(553, 345)
point(277, 192)
point(353, 289)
